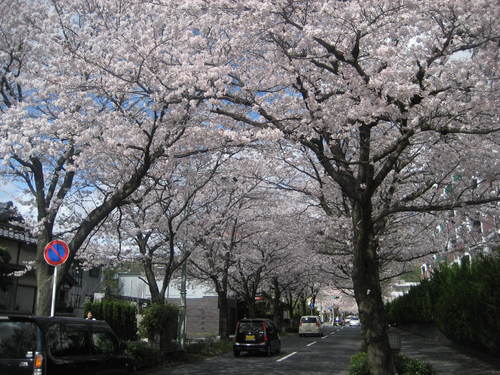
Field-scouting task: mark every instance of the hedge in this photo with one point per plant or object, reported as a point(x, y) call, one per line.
point(404, 365)
point(463, 301)
point(120, 315)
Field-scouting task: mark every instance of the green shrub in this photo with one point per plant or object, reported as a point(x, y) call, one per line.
point(404, 365)
point(412, 366)
point(120, 315)
point(145, 356)
point(210, 348)
point(463, 301)
point(359, 364)
point(160, 321)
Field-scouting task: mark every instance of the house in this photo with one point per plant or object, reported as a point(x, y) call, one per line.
point(18, 286)
point(18, 250)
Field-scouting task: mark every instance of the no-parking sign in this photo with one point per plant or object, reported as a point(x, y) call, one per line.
point(56, 252)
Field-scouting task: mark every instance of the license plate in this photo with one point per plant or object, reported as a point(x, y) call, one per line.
point(250, 338)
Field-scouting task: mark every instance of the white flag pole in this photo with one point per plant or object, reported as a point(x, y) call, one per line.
point(54, 282)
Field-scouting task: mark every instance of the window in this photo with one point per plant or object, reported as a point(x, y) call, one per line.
point(71, 340)
point(309, 319)
point(17, 339)
point(104, 343)
point(250, 326)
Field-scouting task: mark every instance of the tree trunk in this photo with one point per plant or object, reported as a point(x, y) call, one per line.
point(43, 274)
point(44, 289)
point(251, 308)
point(223, 317)
point(277, 305)
point(368, 294)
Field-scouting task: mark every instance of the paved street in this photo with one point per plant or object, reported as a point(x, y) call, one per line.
point(329, 354)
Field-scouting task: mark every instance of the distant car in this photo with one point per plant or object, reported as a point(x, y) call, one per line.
point(338, 321)
point(354, 321)
point(35, 345)
point(310, 325)
point(256, 335)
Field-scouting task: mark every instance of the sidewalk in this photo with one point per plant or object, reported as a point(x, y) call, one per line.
point(429, 344)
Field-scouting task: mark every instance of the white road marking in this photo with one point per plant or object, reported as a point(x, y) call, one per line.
point(311, 343)
point(324, 337)
point(285, 357)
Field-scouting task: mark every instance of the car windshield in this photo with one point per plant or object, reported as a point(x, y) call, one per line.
point(17, 339)
point(308, 319)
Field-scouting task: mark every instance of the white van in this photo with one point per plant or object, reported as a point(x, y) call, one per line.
point(310, 325)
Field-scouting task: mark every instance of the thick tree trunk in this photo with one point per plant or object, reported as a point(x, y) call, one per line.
point(43, 273)
point(368, 294)
point(223, 317)
point(44, 287)
point(277, 305)
point(251, 308)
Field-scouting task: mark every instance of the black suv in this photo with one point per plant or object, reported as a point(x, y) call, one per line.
point(33, 345)
point(256, 335)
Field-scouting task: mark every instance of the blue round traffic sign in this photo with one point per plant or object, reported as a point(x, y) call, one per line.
point(56, 252)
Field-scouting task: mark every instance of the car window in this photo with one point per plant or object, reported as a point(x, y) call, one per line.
point(17, 339)
point(70, 340)
point(250, 326)
point(308, 319)
point(104, 342)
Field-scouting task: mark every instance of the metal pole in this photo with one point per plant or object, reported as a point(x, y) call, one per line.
point(182, 315)
point(54, 282)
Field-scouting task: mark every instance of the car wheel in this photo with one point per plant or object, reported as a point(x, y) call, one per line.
point(236, 352)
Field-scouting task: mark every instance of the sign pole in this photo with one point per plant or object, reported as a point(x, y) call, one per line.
point(54, 283)
point(55, 253)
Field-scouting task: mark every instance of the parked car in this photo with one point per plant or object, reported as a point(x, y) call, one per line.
point(256, 335)
point(310, 325)
point(338, 321)
point(33, 345)
point(354, 321)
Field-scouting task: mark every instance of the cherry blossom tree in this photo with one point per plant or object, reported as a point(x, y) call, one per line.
point(92, 97)
point(221, 229)
point(392, 98)
point(153, 228)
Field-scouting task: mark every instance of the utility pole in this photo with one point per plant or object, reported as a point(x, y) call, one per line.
point(182, 311)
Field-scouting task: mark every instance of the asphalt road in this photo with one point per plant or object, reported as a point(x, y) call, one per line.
point(329, 354)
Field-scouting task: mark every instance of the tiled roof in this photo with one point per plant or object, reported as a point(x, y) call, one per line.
point(16, 234)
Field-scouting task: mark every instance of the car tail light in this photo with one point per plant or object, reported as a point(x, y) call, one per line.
point(38, 364)
point(263, 327)
point(317, 323)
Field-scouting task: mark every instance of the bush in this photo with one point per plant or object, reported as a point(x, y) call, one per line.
point(120, 315)
point(160, 320)
point(404, 365)
point(145, 356)
point(463, 301)
point(412, 366)
point(359, 364)
point(211, 348)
